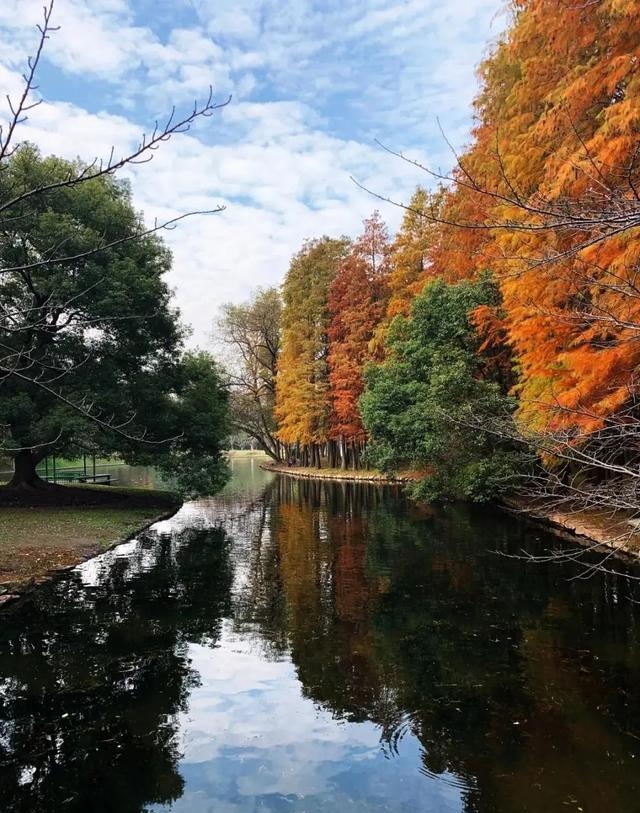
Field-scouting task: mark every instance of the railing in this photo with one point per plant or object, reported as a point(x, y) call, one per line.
point(65, 476)
point(86, 473)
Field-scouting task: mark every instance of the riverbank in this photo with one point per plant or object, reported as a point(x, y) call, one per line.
point(596, 530)
point(361, 475)
point(242, 454)
point(39, 540)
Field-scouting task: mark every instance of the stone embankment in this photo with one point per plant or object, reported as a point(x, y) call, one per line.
point(360, 476)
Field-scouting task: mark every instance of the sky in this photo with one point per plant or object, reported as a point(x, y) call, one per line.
point(314, 84)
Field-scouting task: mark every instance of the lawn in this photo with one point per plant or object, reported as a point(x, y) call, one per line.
point(45, 527)
point(37, 540)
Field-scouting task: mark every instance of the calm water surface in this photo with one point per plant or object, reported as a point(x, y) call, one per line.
point(307, 647)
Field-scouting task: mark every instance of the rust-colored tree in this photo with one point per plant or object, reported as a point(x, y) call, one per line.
point(303, 402)
point(548, 197)
point(357, 303)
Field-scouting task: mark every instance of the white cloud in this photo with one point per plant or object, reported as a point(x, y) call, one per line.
point(314, 81)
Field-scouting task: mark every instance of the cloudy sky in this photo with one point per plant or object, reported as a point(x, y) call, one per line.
point(313, 83)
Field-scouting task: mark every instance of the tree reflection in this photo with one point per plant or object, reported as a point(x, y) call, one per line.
point(502, 671)
point(519, 685)
point(94, 675)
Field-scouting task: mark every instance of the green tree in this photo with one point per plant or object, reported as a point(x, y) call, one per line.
point(426, 404)
point(92, 348)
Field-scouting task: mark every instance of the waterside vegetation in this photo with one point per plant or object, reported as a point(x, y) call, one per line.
point(492, 343)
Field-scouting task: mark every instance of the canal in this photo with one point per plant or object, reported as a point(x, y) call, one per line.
point(321, 647)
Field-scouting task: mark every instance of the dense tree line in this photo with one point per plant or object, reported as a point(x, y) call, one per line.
point(496, 335)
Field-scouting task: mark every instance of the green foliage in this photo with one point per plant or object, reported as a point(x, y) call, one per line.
point(199, 412)
point(424, 406)
point(92, 357)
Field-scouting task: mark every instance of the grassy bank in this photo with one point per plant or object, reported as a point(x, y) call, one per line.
point(87, 495)
point(39, 538)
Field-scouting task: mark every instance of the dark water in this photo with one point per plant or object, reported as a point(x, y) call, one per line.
point(313, 647)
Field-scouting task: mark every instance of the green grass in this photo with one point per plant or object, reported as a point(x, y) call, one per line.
point(161, 497)
point(36, 542)
point(69, 527)
point(78, 463)
point(79, 495)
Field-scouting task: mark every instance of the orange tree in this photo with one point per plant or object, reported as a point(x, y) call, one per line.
point(303, 402)
point(357, 302)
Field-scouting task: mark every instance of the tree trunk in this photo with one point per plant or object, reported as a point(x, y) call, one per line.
point(25, 475)
point(356, 456)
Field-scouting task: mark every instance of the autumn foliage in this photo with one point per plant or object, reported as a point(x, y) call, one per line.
point(357, 304)
point(303, 401)
point(545, 199)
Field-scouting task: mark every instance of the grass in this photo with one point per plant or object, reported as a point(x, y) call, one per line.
point(161, 497)
point(36, 540)
point(68, 527)
point(88, 495)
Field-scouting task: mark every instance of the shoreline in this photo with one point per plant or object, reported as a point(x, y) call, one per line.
point(13, 591)
point(590, 529)
point(360, 476)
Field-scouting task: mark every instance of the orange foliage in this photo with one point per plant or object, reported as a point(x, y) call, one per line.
point(302, 387)
point(410, 250)
point(357, 302)
point(558, 124)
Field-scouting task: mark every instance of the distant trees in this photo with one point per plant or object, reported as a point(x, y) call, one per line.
point(357, 302)
point(251, 333)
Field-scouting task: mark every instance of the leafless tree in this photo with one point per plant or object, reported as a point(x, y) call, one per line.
point(250, 332)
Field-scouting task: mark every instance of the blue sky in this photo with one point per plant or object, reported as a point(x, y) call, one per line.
point(313, 84)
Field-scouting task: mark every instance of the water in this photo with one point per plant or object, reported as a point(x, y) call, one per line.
point(311, 647)
point(120, 473)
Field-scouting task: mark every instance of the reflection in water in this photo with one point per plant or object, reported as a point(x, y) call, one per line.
point(307, 646)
